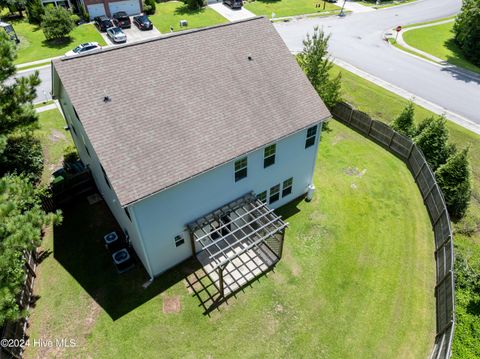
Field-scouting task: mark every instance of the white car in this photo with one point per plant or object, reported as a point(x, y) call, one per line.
point(84, 48)
point(116, 34)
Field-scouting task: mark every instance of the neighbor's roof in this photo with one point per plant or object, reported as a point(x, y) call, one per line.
point(185, 103)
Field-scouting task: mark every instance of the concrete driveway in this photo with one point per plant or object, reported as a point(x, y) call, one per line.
point(231, 14)
point(134, 35)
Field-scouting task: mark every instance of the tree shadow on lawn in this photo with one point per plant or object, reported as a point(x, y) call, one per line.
point(57, 43)
point(185, 10)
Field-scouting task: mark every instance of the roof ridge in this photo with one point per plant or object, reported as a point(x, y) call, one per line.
point(161, 37)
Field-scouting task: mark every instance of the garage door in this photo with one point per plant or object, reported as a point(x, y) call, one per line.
point(131, 7)
point(96, 10)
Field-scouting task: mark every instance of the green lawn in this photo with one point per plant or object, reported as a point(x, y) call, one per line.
point(283, 8)
point(340, 285)
point(385, 106)
point(54, 139)
point(33, 45)
point(170, 13)
point(439, 41)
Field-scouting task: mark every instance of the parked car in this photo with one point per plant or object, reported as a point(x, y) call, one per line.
point(122, 20)
point(116, 35)
point(234, 4)
point(103, 23)
point(84, 48)
point(142, 22)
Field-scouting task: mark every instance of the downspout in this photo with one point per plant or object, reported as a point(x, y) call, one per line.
point(311, 186)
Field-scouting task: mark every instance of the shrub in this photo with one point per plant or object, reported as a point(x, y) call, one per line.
point(70, 155)
point(57, 23)
point(432, 138)
point(149, 7)
point(194, 4)
point(22, 155)
point(454, 178)
point(75, 18)
point(35, 11)
point(404, 123)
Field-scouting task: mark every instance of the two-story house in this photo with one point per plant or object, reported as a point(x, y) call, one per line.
point(194, 138)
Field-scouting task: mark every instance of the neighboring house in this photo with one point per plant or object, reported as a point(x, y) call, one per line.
point(198, 120)
point(109, 7)
point(101, 7)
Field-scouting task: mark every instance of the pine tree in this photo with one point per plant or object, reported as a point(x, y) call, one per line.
point(432, 138)
point(454, 178)
point(405, 122)
point(16, 109)
point(316, 63)
point(21, 222)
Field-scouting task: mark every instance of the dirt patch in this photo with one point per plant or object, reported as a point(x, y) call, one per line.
point(354, 171)
point(171, 304)
point(56, 136)
point(93, 312)
point(338, 138)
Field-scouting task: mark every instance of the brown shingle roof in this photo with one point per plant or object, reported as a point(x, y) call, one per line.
point(185, 103)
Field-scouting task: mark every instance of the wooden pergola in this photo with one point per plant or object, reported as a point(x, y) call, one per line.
point(238, 242)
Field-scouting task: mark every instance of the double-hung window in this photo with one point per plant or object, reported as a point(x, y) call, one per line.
point(287, 187)
point(269, 155)
point(240, 169)
point(274, 193)
point(311, 135)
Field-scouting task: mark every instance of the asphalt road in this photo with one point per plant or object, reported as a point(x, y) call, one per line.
point(357, 39)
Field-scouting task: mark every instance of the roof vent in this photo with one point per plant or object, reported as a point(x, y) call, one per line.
point(106, 98)
point(250, 58)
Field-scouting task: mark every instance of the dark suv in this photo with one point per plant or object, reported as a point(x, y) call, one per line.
point(234, 4)
point(102, 23)
point(122, 20)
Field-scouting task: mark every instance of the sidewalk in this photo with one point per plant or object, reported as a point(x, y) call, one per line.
point(402, 42)
point(355, 7)
point(462, 121)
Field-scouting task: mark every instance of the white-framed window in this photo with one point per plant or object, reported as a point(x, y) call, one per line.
point(311, 136)
point(269, 155)
point(241, 169)
point(274, 194)
point(262, 196)
point(287, 187)
point(179, 240)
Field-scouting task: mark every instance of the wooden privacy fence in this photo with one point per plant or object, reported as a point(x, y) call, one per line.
point(408, 152)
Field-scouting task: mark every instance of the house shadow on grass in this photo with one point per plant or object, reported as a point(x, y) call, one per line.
point(78, 246)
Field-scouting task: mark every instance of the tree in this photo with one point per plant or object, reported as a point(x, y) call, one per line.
point(21, 223)
point(316, 63)
point(432, 138)
point(150, 7)
point(467, 30)
point(22, 155)
point(13, 5)
point(57, 23)
point(405, 122)
point(194, 4)
point(16, 110)
point(454, 178)
point(35, 11)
